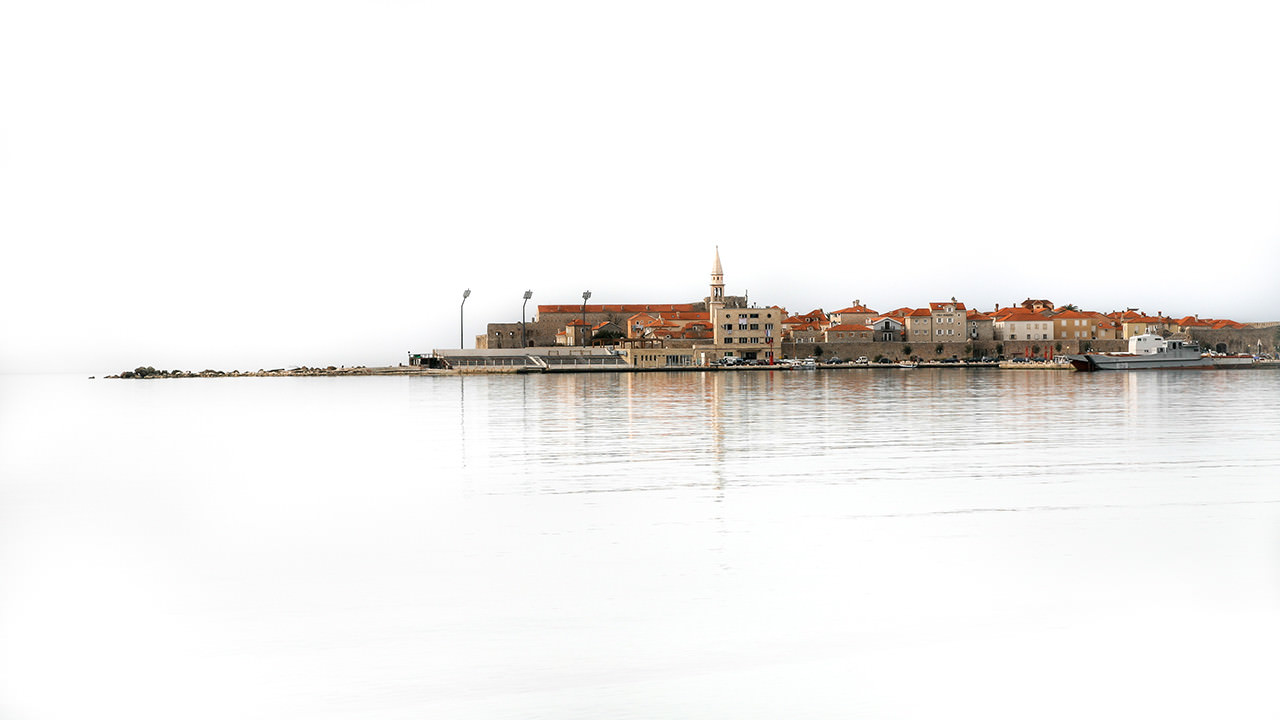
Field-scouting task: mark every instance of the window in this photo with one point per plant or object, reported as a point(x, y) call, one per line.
point(755, 326)
point(755, 315)
point(728, 341)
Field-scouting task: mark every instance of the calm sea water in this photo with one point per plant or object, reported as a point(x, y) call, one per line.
point(842, 544)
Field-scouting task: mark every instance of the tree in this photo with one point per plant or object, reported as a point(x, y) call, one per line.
point(937, 350)
point(1057, 347)
point(906, 349)
point(999, 348)
point(817, 351)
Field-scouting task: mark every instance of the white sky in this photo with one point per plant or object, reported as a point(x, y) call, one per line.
point(275, 182)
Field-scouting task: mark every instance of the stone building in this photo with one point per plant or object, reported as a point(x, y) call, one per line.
point(918, 326)
point(948, 321)
point(887, 329)
point(856, 314)
point(979, 326)
point(1022, 324)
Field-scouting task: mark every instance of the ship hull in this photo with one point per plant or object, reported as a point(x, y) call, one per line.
point(1092, 362)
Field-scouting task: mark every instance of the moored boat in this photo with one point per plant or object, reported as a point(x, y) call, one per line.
point(1153, 352)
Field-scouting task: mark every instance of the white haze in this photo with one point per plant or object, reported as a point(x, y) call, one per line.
point(258, 184)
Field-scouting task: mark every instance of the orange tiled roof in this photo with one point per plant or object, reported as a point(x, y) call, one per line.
point(636, 308)
point(1019, 315)
point(855, 310)
point(806, 327)
point(939, 305)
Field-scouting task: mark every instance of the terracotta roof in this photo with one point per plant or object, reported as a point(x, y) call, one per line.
point(1020, 315)
point(919, 312)
point(855, 310)
point(938, 306)
point(637, 308)
point(886, 317)
point(1076, 315)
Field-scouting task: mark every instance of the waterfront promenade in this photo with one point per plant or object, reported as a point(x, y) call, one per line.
point(419, 370)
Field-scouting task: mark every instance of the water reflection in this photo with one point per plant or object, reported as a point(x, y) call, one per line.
point(651, 431)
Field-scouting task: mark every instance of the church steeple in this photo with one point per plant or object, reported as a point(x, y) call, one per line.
point(717, 284)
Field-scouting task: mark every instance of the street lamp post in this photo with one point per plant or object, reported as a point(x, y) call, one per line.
point(462, 345)
point(585, 297)
point(524, 339)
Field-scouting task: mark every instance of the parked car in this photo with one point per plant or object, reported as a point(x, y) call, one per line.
point(835, 361)
point(862, 360)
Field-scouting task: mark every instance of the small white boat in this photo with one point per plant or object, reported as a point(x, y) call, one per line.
point(908, 365)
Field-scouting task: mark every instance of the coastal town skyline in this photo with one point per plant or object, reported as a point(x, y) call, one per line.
point(725, 325)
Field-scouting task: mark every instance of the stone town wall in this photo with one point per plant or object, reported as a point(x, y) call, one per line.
point(1239, 341)
point(507, 335)
point(928, 350)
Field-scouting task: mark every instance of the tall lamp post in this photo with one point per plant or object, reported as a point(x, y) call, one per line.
point(462, 345)
point(524, 338)
point(585, 297)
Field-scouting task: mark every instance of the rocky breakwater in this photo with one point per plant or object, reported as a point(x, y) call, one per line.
point(148, 373)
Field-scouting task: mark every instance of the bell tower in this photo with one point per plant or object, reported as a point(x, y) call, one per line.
point(717, 285)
